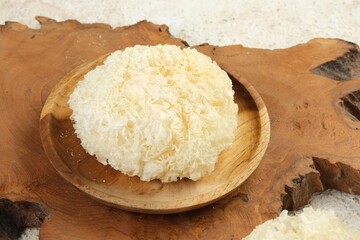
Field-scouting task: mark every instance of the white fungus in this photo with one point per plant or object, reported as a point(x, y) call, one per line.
point(158, 112)
point(311, 224)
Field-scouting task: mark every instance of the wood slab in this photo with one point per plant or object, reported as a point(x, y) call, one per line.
point(312, 92)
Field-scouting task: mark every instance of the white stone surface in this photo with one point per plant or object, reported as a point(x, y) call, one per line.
point(258, 24)
point(30, 234)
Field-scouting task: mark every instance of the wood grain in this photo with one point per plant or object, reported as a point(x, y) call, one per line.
point(235, 164)
point(314, 144)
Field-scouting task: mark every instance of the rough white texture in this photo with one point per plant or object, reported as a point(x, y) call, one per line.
point(157, 112)
point(259, 24)
point(346, 206)
point(308, 224)
point(30, 233)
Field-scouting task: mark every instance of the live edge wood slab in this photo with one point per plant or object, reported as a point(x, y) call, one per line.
point(312, 93)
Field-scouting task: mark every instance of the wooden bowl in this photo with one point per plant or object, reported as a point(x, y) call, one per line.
point(113, 188)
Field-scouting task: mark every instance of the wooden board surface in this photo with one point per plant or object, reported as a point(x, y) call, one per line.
point(311, 92)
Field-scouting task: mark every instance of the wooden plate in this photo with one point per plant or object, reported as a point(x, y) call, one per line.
point(103, 183)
